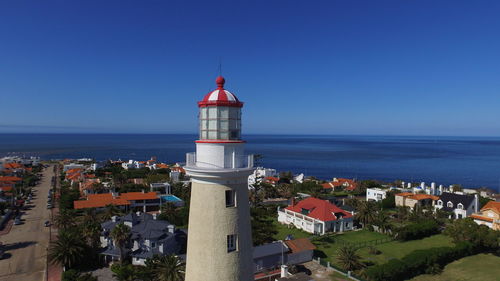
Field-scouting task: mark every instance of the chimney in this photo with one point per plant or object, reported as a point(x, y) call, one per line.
point(403, 184)
point(138, 213)
point(113, 218)
point(476, 203)
point(154, 216)
point(171, 228)
point(422, 185)
point(284, 271)
point(292, 203)
point(143, 191)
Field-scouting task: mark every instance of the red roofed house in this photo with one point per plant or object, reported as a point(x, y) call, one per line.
point(316, 216)
point(346, 184)
point(489, 215)
point(138, 201)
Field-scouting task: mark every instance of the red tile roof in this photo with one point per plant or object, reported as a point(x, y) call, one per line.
point(299, 245)
point(99, 200)
point(492, 205)
point(161, 166)
point(479, 217)
point(139, 196)
point(6, 188)
point(13, 166)
point(10, 179)
point(318, 209)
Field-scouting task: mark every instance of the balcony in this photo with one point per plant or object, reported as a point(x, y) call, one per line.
point(230, 162)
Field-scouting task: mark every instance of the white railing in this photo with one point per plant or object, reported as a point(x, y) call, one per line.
point(234, 162)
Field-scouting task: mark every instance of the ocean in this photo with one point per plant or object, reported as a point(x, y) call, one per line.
point(469, 161)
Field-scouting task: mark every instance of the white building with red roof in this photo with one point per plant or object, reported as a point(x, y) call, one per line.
point(316, 216)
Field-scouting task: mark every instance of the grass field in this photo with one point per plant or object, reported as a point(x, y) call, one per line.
point(283, 231)
point(397, 249)
point(482, 267)
point(328, 245)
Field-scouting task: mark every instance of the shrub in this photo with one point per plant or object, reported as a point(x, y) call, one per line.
point(419, 262)
point(417, 230)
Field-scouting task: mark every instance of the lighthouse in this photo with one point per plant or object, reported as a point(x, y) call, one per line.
point(219, 233)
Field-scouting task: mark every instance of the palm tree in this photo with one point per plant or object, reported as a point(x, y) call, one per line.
point(91, 231)
point(166, 268)
point(366, 212)
point(68, 250)
point(65, 219)
point(348, 259)
point(120, 235)
point(110, 211)
point(382, 221)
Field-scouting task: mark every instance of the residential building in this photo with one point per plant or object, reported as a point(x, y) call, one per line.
point(164, 186)
point(460, 205)
point(344, 184)
point(141, 201)
point(489, 215)
point(259, 174)
point(149, 237)
point(376, 194)
point(408, 199)
point(73, 166)
point(220, 241)
point(271, 256)
point(316, 216)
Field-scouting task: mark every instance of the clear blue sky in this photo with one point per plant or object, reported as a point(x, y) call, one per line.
point(307, 67)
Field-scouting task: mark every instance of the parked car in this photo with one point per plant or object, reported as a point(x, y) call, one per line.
point(17, 221)
point(49, 206)
point(47, 223)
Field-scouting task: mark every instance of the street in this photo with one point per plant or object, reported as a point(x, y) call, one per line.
point(26, 244)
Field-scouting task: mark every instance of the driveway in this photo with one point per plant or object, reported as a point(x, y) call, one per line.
point(26, 244)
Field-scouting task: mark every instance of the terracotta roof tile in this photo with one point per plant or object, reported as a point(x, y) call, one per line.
point(492, 205)
point(10, 179)
point(299, 245)
point(319, 209)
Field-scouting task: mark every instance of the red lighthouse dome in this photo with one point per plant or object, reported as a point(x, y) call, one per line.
point(220, 96)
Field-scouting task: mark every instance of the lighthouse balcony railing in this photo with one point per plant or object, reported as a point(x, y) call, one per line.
point(230, 162)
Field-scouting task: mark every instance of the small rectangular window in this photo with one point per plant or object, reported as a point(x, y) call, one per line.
point(230, 198)
point(232, 242)
point(153, 245)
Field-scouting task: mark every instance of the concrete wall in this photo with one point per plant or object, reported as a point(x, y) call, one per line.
point(210, 221)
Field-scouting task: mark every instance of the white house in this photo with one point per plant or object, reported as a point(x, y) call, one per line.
point(260, 173)
point(163, 185)
point(460, 205)
point(316, 216)
point(376, 194)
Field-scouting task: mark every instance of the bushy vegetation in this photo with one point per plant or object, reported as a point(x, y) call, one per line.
point(419, 262)
point(417, 230)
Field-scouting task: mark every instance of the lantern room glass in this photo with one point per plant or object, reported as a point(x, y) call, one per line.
point(220, 123)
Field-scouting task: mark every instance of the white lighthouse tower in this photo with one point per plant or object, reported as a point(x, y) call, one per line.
point(219, 234)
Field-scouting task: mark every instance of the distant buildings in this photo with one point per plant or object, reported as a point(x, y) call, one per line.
point(489, 215)
point(316, 216)
point(376, 194)
point(149, 237)
point(141, 201)
point(460, 205)
point(340, 183)
point(407, 199)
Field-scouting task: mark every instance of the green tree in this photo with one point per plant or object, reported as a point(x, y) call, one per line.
point(348, 259)
point(110, 211)
point(367, 212)
point(263, 228)
point(68, 251)
point(120, 235)
point(166, 268)
point(65, 219)
point(124, 272)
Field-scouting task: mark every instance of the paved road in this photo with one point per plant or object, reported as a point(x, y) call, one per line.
point(26, 244)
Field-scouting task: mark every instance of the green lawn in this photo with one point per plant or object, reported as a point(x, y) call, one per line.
point(327, 246)
point(283, 231)
point(397, 249)
point(482, 267)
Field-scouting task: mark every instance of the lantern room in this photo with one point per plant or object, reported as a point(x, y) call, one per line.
point(220, 115)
